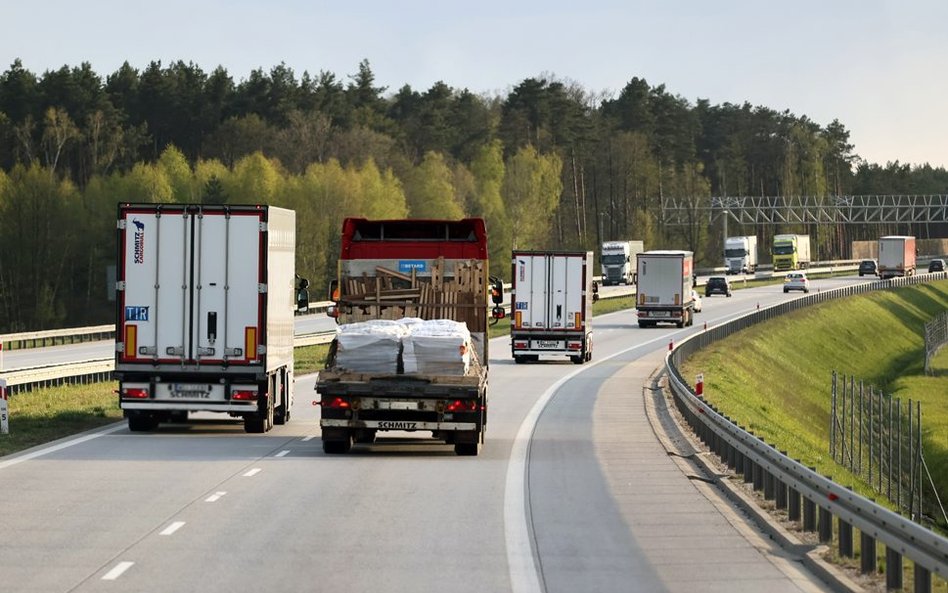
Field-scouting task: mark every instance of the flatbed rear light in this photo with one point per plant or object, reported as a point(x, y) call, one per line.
point(520, 345)
point(134, 393)
point(462, 405)
point(575, 346)
point(337, 403)
point(243, 394)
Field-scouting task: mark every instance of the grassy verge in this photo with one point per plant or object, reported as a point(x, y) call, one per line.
point(775, 378)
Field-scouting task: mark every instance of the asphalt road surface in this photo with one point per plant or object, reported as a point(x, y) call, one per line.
point(571, 492)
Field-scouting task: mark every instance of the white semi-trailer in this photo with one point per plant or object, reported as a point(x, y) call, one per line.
point(664, 284)
point(740, 254)
point(205, 302)
point(896, 256)
point(551, 305)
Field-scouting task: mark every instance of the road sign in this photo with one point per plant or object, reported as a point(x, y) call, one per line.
point(4, 414)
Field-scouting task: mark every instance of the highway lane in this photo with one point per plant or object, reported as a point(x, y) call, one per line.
point(237, 513)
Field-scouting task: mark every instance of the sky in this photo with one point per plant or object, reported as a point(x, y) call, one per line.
point(878, 66)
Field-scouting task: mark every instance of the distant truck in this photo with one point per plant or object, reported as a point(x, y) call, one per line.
point(617, 260)
point(551, 299)
point(205, 299)
point(664, 285)
point(896, 256)
point(405, 272)
point(740, 254)
point(791, 252)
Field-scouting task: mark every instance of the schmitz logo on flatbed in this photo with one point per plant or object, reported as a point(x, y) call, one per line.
point(397, 425)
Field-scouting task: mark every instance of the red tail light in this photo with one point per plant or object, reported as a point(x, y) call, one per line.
point(575, 345)
point(338, 403)
point(135, 393)
point(459, 405)
point(520, 345)
point(243, 395)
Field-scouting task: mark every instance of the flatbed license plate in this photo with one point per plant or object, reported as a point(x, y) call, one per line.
point(547, 344)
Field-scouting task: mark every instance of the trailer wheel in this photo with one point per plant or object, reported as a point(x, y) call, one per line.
point(518, 359)
point(466, 449)
point(337, 447)
point(578, 359)
point(142, 423)
point(178, 417)
point(365, 436)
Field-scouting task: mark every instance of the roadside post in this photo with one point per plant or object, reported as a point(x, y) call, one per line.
point(4, 414)
point(699, 385)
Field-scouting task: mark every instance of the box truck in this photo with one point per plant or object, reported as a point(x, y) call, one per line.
point(617, 260)
point(551, 299)
point(411, 352)
point(740, 254)
point(204, 321)
point(896, 256)
point(791, 252)
point(663, 287)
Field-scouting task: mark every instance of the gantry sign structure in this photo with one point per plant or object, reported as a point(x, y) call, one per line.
point(911, 209)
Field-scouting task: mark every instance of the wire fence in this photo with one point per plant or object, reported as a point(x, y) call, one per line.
point(936, 336)
point(879, 439)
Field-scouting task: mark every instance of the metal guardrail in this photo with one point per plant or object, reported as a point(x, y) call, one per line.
point(789, 483)
point(100, 369)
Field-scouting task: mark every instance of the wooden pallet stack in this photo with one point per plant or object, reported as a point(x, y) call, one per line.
point(393, 295)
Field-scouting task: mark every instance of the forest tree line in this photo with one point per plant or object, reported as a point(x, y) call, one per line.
point(549, 165)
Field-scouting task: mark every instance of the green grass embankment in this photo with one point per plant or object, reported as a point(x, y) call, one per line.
point(775, 378)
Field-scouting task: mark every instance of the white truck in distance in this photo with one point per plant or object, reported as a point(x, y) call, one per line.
point(664, 285)
point(205, 298)
point(740, 254)
point(896, 256)
point(617, 260)
point(551, 304)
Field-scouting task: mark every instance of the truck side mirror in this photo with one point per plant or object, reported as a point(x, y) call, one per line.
point(496, 291)
point(302, 294)
point(333, 294)
point(595, 291)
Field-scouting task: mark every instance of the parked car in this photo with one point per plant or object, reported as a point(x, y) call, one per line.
point(717, 285)
point(936, 265)
point(868, 267)
point(697, 300)
point(796, 281)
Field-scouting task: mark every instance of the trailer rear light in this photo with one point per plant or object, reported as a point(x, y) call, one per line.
point(460, 405)
point(243, 394)
point(134, 393)
point(520, 345)
point(575, 346)
point(337, 403)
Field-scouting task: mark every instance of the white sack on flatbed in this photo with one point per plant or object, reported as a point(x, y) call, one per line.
point(438, 347)
point(370, 346)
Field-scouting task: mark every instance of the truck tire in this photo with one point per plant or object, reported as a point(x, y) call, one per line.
point(580, 359)
point(142, 423)
point(467, 449)
point(262, 421)
point(518, 359)
point(365, 436)
point(178, 417)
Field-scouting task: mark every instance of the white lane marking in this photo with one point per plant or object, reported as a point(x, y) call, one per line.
point(116, 572)
point(61, 446)
point(215, 497)
point(309, 438)
point(282, 453)
point(252, 472)
point(172, 528)
point(524, 576)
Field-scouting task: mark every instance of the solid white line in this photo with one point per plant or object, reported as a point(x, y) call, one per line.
point(282, 453)
point(172, 528)
point(252, 472)
point(214, 497)
point(524, 576)
point(61, 446)
point(116, 572)
point(309, 438)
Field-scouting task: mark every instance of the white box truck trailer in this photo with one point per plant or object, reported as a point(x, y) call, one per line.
point(617, 260)
point(740, 254)
point(664, 284)
point(897, 256)
point(204, 321)
point(551, 299)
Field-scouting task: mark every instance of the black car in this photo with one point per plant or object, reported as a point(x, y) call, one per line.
point(717, 285)
point(868, 267)
point(936, 265)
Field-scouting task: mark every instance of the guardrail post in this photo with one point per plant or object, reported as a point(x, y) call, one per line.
point(923, 579)
point(748, 470)
point(769, 488)
point(846, 539)
point(826, 525)
point(867, 553)
point(893, 569)
point(780, 490)
point(809, 515)
point(758, 477)
point(793, 504)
